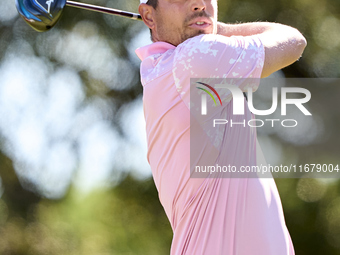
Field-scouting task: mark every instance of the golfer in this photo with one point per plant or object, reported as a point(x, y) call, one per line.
point(210, 216)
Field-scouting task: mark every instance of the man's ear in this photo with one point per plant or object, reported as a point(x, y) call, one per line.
point(147, 13)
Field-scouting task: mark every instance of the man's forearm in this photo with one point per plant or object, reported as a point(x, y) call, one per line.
point(246, 29)
point(283, 44)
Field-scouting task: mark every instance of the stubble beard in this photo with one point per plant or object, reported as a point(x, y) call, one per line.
point(187, 21)
point(186, 32)
point(186, 36)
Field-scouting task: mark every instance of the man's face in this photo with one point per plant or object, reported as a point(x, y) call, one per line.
point(178, 20)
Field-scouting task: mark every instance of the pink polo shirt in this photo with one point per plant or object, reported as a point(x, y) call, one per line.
point(208, 216)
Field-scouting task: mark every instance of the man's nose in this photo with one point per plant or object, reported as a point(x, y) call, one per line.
point(198, 5)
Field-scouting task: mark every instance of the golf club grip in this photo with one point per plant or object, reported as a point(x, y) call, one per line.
point(101, 9)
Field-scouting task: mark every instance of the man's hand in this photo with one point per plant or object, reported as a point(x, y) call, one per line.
point(283, 44)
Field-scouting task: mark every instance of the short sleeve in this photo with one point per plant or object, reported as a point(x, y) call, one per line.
point(216, 56)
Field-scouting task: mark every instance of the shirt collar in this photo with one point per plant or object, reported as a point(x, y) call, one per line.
point(152, 49)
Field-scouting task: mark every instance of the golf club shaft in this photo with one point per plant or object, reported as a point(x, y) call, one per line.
point(101, 9)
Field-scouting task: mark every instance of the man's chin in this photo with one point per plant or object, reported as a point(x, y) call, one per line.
point(204, 31)
point(197, 32)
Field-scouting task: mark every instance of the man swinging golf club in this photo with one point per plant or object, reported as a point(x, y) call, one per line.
point(210, 216)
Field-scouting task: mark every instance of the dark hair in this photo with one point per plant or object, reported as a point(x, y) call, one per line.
point(154, 4)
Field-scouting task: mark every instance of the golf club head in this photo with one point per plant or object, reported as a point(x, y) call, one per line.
point(41, 15)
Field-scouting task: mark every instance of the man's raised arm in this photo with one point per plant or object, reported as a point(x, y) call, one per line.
point(283, 44)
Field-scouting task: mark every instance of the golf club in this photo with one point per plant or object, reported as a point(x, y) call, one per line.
point(42, 15)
